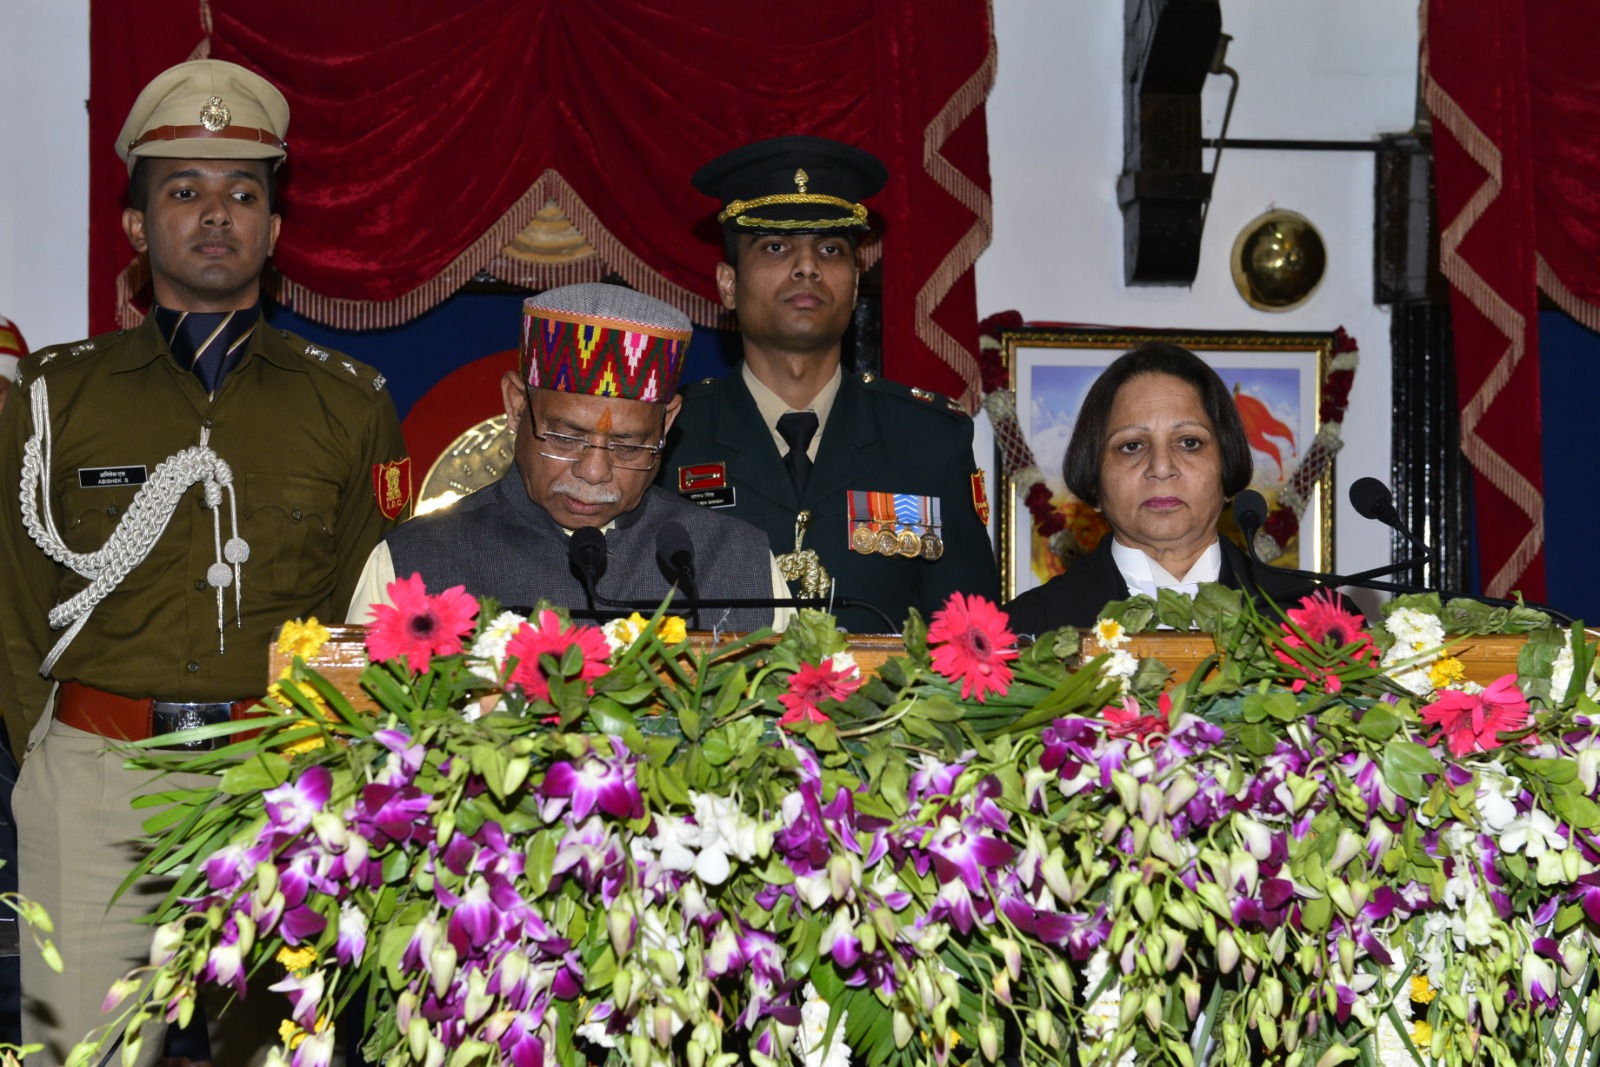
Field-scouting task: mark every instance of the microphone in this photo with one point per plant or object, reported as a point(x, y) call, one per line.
point(586, 552)
point(675, 552)
point(1372, 500)
point(1250, 512)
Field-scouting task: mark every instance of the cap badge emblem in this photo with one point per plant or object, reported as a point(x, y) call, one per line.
point(215, 115)
point(800, 179)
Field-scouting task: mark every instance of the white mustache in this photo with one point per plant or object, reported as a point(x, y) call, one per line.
point(587, 494)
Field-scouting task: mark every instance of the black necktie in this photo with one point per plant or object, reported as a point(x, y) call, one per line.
point(208, 343)
point(798, 428)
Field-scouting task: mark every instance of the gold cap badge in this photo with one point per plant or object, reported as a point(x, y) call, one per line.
point(214, 115)
point(800, 179)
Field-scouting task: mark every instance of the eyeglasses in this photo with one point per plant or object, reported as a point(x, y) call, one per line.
point(571, 449)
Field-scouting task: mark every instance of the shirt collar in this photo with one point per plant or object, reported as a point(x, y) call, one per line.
point(771, 406)
point(1144, 575)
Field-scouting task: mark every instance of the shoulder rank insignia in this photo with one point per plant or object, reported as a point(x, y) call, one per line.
point(980, 496)
point(391, 486)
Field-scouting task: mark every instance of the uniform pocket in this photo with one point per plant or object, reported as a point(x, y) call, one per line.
point(88, 517)
point(288, 519)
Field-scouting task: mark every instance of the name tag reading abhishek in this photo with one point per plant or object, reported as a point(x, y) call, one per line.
point(109, 477)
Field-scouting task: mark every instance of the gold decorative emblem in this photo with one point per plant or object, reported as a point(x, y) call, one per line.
point(215, 115)
point(888, 543)
point(800, 179)
point(802, 565)
point(910, 544)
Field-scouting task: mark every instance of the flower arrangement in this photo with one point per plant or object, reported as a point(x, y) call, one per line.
point(554, 844)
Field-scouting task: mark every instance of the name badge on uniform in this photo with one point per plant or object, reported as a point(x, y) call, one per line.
point(109, 477)
point(707, 485)
point(894, 524)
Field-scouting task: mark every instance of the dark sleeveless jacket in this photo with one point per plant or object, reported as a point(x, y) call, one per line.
point(499, 543)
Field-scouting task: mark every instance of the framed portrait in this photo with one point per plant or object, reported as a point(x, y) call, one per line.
point(1276, 380)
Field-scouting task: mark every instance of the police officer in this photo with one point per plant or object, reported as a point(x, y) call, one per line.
point(873, 481)
point(189, 485)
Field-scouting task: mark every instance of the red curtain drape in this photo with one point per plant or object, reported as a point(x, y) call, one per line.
point(1511, 86)
point(424, 137)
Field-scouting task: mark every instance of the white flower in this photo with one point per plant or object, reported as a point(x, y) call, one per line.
point(675, 841)
point(1495, 798)
point(488, 656)
point(1561, 676)
point(1110, 633)
point(844, 663)
point(726, 831)
point(1121, 665)
point(1532, 834)
point(813, 1027)
point(1420, 631)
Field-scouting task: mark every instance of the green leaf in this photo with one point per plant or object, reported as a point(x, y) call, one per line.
point(265, 771)
point(1378, 723)
point(1174, 609)
point(1257, 738)
point(609, 717)
point(541, 857)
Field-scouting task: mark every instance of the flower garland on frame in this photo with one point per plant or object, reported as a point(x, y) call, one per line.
point(1017, 461)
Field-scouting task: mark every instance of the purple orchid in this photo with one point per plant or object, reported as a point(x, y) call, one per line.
point(610, 785)
point(290, 806)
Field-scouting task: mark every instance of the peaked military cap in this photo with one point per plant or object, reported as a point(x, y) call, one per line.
point(793, 185)
point(206, 109)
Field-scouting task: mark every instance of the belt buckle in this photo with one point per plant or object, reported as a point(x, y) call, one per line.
point(168, 717)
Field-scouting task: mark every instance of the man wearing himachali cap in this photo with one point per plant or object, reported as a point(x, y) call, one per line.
point(590, 404)
point(190, 484)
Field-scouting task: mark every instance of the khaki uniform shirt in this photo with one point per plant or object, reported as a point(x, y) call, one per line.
point(302, 428)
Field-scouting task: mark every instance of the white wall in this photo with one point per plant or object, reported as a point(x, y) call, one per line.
point(1309, 70)
point(44, 168)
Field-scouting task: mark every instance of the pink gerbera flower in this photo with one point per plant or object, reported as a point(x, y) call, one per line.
point(811, 685)
point(551, 636)
point(971, 642)
point(418, 626)
point(1328, 624)
point(1473, 723)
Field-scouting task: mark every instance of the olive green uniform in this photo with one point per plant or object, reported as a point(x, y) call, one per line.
point(880, 437)
point(302, 429)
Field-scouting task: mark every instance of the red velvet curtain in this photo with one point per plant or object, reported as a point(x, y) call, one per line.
point(424, 137)
point(1515, 96)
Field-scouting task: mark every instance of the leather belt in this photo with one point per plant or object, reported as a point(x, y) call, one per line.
point(131, 719)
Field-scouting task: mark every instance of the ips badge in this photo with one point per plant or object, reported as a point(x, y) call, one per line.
point(391, 485)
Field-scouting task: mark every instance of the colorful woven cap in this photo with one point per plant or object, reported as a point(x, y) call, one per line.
point(604, 340)
point(206, 109)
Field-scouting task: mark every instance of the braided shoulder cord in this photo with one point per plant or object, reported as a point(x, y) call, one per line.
point(138, 531)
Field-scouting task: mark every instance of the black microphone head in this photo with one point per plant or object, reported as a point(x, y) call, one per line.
point(1249, 511)
point(673, 547)
point(586, 550)
point(1371, 499)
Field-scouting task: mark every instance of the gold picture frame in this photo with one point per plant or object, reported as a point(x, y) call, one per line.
point(1051, 368)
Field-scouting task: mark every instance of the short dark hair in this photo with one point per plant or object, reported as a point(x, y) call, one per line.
point(1086, 452)
point(139, 184)
point(730, 243)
